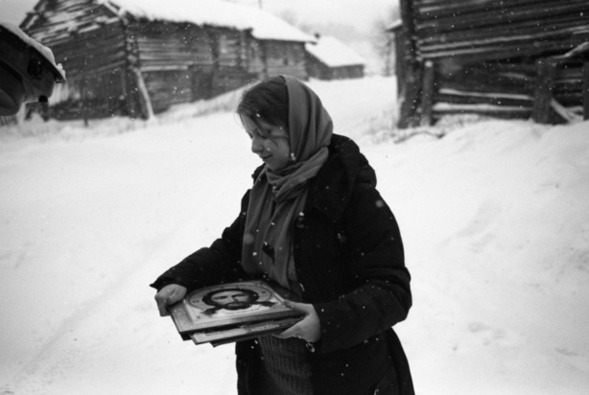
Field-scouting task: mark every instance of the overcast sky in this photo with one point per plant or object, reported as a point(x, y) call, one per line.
point(360, 13)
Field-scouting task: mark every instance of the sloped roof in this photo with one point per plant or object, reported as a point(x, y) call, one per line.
point(45, 52)
point(28, 41)
point(334, 53)
point(263, 25)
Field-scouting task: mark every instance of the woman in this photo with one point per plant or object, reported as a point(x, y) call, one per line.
point(314, 223)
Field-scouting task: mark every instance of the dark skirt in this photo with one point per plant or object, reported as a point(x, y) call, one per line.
point(286, 369)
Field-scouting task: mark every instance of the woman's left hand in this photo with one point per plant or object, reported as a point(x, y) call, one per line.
point(307, 329)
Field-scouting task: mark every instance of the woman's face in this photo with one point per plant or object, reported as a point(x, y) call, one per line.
point(269, 142)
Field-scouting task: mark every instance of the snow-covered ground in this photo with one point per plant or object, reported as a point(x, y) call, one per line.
point(495, 219)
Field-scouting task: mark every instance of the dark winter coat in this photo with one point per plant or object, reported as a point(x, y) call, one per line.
point(350, 263)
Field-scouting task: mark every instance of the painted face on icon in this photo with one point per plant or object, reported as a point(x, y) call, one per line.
point(269, 142)
point(231, 299)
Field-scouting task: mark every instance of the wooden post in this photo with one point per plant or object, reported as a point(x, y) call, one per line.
point(409, 98)
point(586, 90)
point(144, 99)
point(399, 57)
point(545, 70)
point(132, 101)
point(409, 86)
point(427, 97)
point(84, 96)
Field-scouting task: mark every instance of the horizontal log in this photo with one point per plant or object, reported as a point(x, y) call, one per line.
point(510, 22)
point(514, 112)
point(562, 30)
point(476, 99)
point(477, 52)
point(569, 100)
point(463, 11)
point(59, 24)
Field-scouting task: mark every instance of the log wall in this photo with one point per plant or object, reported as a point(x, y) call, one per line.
point(484, 56)
point(91, 45)
point(122, 64)
point(286, 58)
point(317, 69)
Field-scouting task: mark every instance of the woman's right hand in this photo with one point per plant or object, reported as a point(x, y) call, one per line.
point(168, 295)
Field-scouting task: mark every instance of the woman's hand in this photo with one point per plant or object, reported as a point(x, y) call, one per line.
point(168, 295)
point(308, 329)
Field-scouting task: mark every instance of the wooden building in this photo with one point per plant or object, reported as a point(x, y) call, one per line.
point(136, 58)
point(330, 59)
point(503, 58)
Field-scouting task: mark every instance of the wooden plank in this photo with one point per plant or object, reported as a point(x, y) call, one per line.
point(182, 47)
point(501, 16)
point(56, 25)
point(459, 9)
point(438, 8)
point(519, 49)
point(498, 98)
point(502, 112)
point(586, 91)
point(427, 96)
point(495, 41)
point(410, 98)
point(563, 26)
point(543, 93)
point(487, 82)
point(409, 86)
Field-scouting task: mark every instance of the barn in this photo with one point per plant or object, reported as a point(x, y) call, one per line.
point(502, 58)
point(136, 58)
point(330, 59)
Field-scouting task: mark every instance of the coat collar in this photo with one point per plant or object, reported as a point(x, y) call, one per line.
point(331, 189)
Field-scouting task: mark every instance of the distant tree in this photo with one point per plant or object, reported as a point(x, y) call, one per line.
point(384, 42)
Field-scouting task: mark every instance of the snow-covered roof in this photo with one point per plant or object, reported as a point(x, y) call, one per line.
point(334, 53)
point(263, 25)
point(43, 50)
point(40, 48)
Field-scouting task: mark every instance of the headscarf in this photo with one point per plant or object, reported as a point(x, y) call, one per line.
point(276, 198)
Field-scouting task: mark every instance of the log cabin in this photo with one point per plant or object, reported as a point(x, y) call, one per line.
point(502, 58)
point(330, 59)
point(137, 58)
